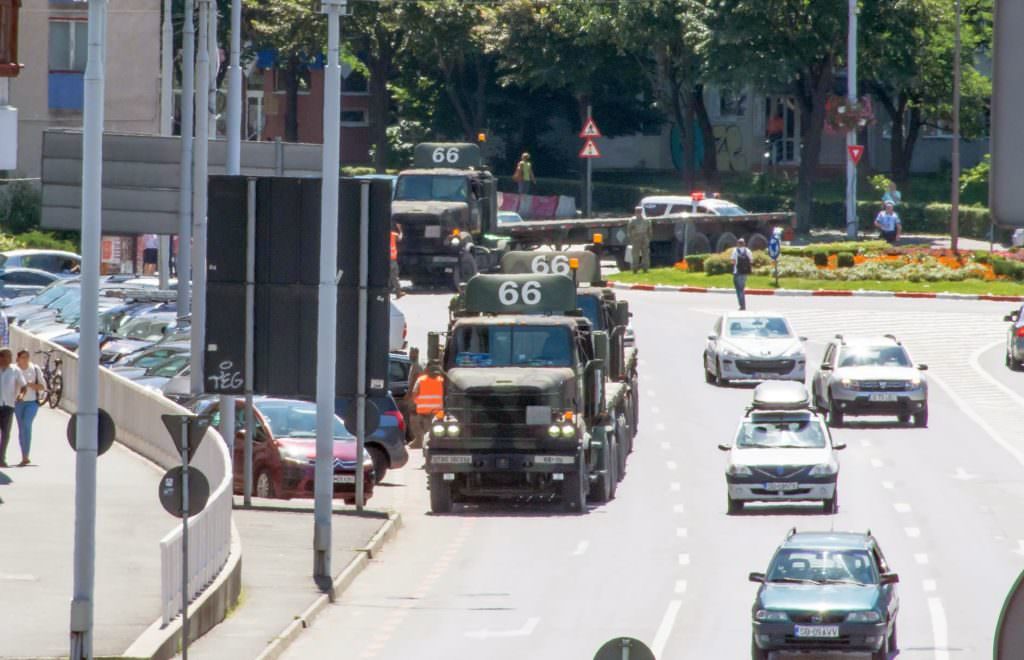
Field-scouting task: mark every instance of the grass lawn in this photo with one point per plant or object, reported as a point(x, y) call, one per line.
point(674, 277)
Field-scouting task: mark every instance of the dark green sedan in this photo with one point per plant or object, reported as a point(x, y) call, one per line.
point(826, 591)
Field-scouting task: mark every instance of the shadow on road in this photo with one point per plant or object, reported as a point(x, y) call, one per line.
point(797, 509)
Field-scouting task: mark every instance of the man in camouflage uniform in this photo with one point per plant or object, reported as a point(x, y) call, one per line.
point(639, 230)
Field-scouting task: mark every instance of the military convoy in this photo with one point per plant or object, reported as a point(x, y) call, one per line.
point(539, 402)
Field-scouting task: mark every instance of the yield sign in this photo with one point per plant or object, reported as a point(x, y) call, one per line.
point(590, 130)
point(590, 150)
point(856, 151)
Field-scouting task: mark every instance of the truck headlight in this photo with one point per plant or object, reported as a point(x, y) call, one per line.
point(867, 616)
point(568, 430)
point(554, 430)
point(824, 470)
point(453, 430)
point(456, 241)
point(738, 471)
point(437, 430)
point(765, 616)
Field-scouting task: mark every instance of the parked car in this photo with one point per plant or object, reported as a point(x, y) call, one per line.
point(399, 365)
point(111, 320)
point(20, 282)
point(387, 444)
point(674, 204)
point(1015, 339)
point(138, 333)
point(58, 262)
point(284, 449)
point(399, 331)
point(138, 364)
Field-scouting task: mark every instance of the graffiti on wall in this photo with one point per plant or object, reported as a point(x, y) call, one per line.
point(729, 149)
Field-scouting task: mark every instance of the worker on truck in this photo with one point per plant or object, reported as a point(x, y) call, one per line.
point(393, 282)
point(428, 398)
point(640, 231)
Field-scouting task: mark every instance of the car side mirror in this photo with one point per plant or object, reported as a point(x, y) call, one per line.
point(725, 446)
point(825, 366)
point(756, 577)
point(838, 446)
point(922, 367)
point(802, 338)
point(712, 337)
point(889, 578)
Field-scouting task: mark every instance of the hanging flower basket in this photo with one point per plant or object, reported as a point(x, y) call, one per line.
point(844, 116)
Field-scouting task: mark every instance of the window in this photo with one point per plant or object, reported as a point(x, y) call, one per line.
point(354, 118)
point(508, 346)
point(731, 104)
point(281, 81)
point(871, 356)
point(785, 433)
point(799, 565)
point(69, 44)
point(29, 279)
point(768, 327)
point(354, 83)
point(429, 187)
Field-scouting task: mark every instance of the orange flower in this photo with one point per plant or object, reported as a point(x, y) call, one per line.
point(682, 265)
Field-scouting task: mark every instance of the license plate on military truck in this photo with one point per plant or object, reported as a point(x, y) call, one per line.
point(432, 231)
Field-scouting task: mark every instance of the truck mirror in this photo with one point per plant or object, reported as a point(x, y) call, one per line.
point(620, 313)
point(593, 379)
point(433, 346)
point(617, 349)
point(601, 345)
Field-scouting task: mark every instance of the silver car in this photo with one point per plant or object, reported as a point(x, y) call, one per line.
point(753, 346)
point(870, 376)
point(1015, 340)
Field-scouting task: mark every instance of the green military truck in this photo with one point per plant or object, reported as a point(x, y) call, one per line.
point(447, 206)
point(528, 407)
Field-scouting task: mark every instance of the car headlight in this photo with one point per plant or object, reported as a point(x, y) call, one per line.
point(765, 616)
point(867, 616)
point(437, 430)
point(915, 381)
point(568, 430)
point(554, 430)
point(731, 352)
point(824, 470)
point(849, 384)
point(739, 471)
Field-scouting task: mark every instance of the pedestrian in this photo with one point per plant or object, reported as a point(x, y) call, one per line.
point(523, 175)
point(150, 248)
point(639, 230)
point(742, 265)
point(888, 223)
point(12, 388)
point(428, 397)
point(891, 194)
point(26, 409)
point(393, 282)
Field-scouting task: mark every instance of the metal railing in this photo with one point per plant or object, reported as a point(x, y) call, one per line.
point(136, 412)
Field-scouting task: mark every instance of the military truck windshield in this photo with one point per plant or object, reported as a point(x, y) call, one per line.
point(591, 309)
point(431, 188)
point(511, 346)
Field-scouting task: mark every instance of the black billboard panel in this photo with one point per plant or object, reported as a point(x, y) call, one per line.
point(226, 229)
point(285, 340)
point(378, 244)
point(378, 305)
point(224, 362)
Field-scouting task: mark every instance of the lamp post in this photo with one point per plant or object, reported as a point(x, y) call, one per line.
point(851, 135)
point(954, 192)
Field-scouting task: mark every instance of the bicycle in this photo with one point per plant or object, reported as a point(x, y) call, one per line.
point(54, 375)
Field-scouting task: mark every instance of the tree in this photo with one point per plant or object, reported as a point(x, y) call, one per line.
point(788, 46)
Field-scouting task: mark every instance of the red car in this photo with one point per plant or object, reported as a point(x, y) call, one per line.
point(284, 450)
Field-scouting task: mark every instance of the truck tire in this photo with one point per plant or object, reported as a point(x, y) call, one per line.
point(440, 494)
point(635, 389)
point(757, 241)
point(607, 479)
point(725, 241)
point(575, 486)
point(698, 244)
point(623, 443)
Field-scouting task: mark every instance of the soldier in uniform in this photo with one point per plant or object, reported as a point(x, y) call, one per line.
point(639, 230)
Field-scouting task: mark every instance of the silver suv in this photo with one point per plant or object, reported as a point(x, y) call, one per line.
point(870, 376)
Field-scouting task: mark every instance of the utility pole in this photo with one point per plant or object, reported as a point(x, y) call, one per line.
point(954, 192)
point(588, 199)
point(87, 430)
point(327, 312)
point(199, 199)
point(166, 124)
point(211, 45)
point(851, 135)
point(183, 262)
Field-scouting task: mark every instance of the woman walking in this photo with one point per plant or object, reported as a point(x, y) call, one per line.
point(26, 408)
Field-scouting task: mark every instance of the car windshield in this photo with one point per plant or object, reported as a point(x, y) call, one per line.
point(66, 300)
point(874, 356)
point(49, 294)
point(143, 328)
point(774, 327)
point(590, 308)
point(152, 358)
point(431, 187)
point(169, 367)
point(727, 209)
point(803, 565)
point(780, 433)
point(511, 346)
point(295, 419)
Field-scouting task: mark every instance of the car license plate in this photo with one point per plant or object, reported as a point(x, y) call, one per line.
point(884, 397)
point(781, 485)
point(344, 478)
point(432, 231)
point(817, 631)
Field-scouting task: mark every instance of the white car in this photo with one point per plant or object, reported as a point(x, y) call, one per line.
point(753, 346)
point(783, 452)
point(660, 205)
point(397, 340)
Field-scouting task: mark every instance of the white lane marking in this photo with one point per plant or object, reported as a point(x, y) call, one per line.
point(901, 507)
point(671, 465)
point(940, 630)
point(1020, 547)
point(650, 392)
point(655, 409)
point(921, 558)
point(665, 445)
point(929, 586)
point(679, 508)
point(912, 532)
point(684, 559)
point(674, 486)
point(888, 485)
point(865, 442)
point(963, 475)
point(680, 586)
point(975, 417)
point(681, 532)
point(877, 463)
point(975, 362)
point(659, 427)
point(665, 628)
point(525, 631)
point(581, 548)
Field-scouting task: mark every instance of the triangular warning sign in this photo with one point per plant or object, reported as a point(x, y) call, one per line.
point(590, 150)
point(856, 151)
point(590, 130)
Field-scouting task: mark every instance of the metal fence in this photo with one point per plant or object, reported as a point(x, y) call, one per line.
point(136, 412)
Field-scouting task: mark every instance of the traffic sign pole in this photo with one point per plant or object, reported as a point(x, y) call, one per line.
point(184, 538)
point(851, 135)
point(590, 170)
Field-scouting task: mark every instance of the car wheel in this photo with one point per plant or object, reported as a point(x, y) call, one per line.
point(835, 415)
point(832, 504)
point(1013, 364)
point(380, 462)
point(735, 507)
point(265, 485)
point(440, 494)
point(708, 376)
point(893, 646)
point(921, 418)
point(757, 653)
point(719, 379)
point(883, 652)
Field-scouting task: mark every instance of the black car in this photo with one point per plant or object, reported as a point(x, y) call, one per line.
point(826, 591)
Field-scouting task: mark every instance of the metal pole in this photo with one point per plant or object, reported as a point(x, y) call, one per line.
point(851, 135)
point(235, 91)
point(214, 53)
point(164, 261)
point(199, 200)
point(954, 193)
point(166, 123)
point(327, 313)
point(364, 258)
point(81, 624)
point(589, 192)
point(250, 316)
point(183, 262)
point(184, 539)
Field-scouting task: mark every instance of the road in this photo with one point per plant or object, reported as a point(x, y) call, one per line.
point(663, 562)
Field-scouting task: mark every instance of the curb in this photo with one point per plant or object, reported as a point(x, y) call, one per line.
point(866, 293)
point(285, 639)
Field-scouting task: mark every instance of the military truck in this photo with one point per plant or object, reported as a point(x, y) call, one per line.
point(528, 409)
point(447, 206)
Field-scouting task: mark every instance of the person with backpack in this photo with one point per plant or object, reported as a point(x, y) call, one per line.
point(742, 265)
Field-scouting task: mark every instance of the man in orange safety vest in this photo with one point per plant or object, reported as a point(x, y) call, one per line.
point(428, 399)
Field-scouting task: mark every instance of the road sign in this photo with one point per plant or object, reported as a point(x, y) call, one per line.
point(170, 491)
point(105, 434)
point(855, 151)
point(624, 648)
point(196, 431)
point(774, 248)
point(590, 150)
point(372, 417)
point(590, 130)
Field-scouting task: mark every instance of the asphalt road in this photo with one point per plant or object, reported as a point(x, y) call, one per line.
point(662, 562)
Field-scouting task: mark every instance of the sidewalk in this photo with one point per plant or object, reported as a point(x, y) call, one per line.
point(277, 565)
point(37, 546)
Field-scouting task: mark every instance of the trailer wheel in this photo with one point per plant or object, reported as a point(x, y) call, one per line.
point(725, 241)
point(698, 244)
point(757, 241)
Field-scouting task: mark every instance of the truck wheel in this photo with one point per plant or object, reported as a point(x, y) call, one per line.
point(623, 443)
point(698, 244)
point(440, 494)
point(607, 480)
point(735, 507)
point(725, 241)
point(635, 389)
point(757, 241)
point(575, 487)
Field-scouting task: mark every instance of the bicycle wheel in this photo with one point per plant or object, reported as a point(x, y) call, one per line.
point(56, 390)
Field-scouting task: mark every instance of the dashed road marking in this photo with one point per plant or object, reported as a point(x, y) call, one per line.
point(929, 586)
point(921, 558)
point(580, 548)
point(877, 463)
point(681, 532)
point(655, 409)
point(671, 465)
point(902, 507)
point(679, 508)
point(888, 485)
point(963, 475)
point(675, 486)
point(666, 445)
point(665, 628)
point(680, 586)
point(912, 532)
point(940, 629)
point(659, 427)
point(684, 559)
point(865, 442)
